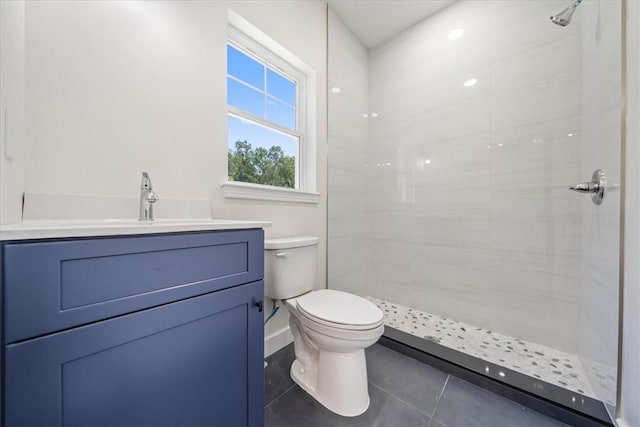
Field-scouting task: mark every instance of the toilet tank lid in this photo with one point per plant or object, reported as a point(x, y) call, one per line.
point(290, 242)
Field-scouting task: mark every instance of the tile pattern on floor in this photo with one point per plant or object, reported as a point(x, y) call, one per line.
point(277, 379)
point(404, 392)
point(545, 363)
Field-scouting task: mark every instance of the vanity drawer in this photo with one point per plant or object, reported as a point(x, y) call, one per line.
point(51, 286)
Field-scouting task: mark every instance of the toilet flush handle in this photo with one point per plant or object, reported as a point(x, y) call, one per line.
point(282, 254)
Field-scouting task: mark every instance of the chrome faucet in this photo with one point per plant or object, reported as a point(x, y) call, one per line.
point(147, 198)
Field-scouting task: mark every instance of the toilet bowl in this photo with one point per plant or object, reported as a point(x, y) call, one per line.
point(330, 328)
point(330, 361)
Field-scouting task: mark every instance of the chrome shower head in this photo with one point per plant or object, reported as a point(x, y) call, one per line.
point(564, 18)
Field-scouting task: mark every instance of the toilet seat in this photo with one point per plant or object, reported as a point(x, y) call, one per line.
point(340, 310)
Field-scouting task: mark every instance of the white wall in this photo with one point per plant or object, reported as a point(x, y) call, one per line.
point(11, 109)
point(600, 73)
point(348, 71)
point(487, 232)
point(629, 404)
point(113, 88)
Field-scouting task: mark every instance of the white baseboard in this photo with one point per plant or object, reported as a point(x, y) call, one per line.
point(277, 340)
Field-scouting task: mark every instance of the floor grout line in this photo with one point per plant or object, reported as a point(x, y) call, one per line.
point(400, 399)
point(433, 415)
point(280, 395)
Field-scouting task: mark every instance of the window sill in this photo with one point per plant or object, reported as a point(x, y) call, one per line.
point(244, 190)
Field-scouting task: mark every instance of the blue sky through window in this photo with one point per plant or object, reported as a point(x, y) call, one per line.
point(245, 98)
point(264, 93)
point(244, 67)
point(280, 113)
point(281, 87)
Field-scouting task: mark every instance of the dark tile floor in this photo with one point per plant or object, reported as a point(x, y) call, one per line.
point(404, 393)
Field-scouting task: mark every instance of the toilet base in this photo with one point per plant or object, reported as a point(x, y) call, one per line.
point(339, 382)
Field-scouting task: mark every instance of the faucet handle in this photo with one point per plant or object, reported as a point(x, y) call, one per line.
point(145, 183)
point(152, 197)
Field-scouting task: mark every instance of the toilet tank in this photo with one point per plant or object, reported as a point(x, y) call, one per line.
point(289, 266)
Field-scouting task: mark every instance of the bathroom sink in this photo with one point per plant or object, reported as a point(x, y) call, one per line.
point(39, 229)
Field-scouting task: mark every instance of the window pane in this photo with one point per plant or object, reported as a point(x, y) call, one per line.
point(261, 155)
point(281, 87)
point(245, 98)
point(244, 67)
point(281, 114)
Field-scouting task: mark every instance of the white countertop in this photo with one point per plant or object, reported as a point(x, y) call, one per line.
point(114, 227)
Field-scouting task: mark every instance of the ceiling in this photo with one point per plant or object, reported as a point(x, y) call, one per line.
point(374, 21)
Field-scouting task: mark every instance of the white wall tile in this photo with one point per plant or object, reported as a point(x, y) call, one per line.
point(486, 231)
point(348, 130)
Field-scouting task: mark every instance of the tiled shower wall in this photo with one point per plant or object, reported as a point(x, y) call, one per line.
point(468, 212)
point(347, 147)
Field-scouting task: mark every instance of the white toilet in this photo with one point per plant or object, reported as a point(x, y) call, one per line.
point(330, 328)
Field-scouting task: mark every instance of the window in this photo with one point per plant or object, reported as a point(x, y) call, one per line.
point(264, 132)
point(271, 119)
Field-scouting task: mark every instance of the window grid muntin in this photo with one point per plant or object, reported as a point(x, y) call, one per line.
point(250, 86)
point(273, 67)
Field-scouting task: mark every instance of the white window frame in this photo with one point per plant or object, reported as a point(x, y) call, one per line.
point(250, 40)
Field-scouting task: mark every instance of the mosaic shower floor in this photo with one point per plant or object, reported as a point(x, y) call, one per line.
point(550, 365)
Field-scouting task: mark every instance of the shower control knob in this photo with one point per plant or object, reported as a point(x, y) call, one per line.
point(596, 186)
point(585, 187)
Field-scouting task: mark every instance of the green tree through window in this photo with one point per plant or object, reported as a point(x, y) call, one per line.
point(261, 166)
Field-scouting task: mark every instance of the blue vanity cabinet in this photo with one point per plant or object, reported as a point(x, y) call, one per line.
point(196, 360)
point(51, 285)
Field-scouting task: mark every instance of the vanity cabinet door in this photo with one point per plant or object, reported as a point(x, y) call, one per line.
point(193, 362)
